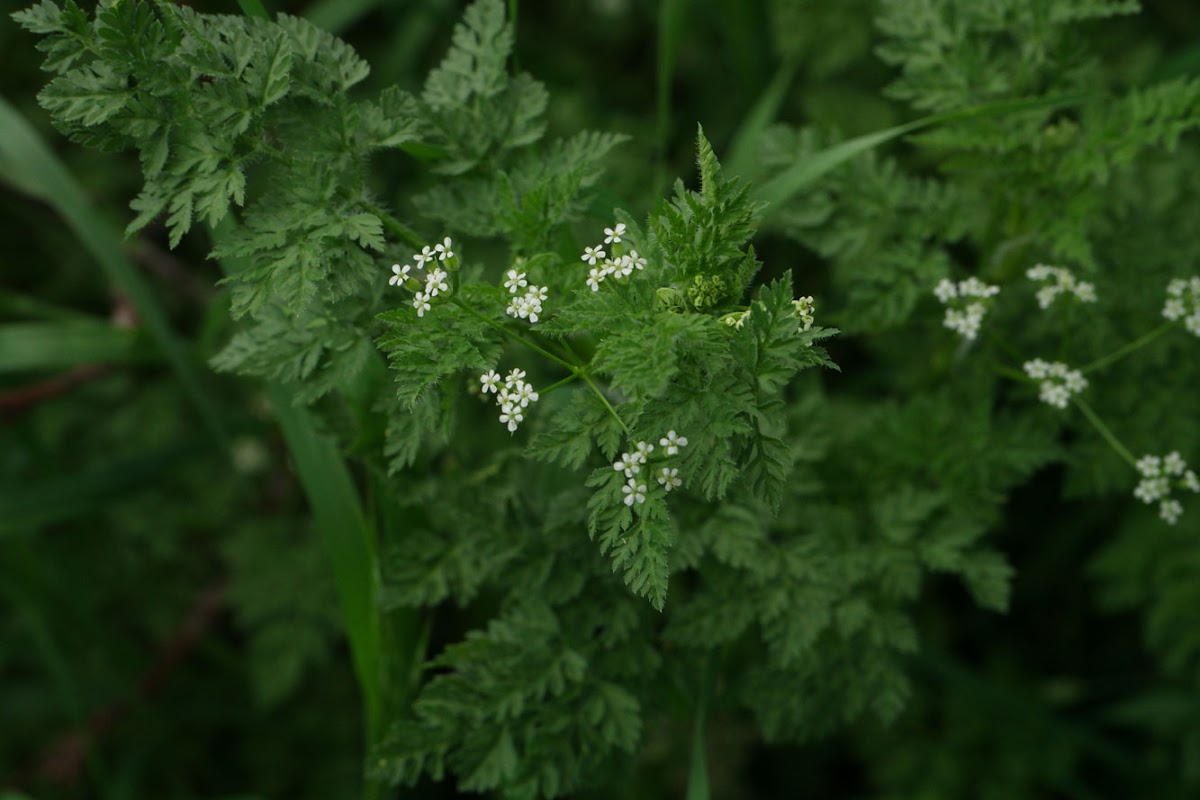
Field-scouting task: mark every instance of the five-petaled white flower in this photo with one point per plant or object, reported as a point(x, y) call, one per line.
point(443, 249)
point(634, 259)
point(668, 478)
point(613, 235)
point(511, 415)
point(592, 254)
point(517, 374)
point(426, 254)
point(634, 492)
point(629, 463)
point(421, 303)
point(435, 282)
point(515, 281)
point(644, 449)
point(400, 273)
point(490, 381)
point(594, 278)
point(673, 442)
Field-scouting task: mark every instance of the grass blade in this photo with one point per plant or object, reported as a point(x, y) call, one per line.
point(62, 345)
point(340, 522)
point(30, 165)
point(765, 110)
point(803, 174)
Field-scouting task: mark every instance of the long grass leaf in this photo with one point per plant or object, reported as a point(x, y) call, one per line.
point(340, 522)
point(61, 345)
point(805, 173)
point(30, 165)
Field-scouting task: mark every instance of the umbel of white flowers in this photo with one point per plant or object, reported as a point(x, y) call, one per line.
point(617, 266)
point(631, 464)
point(1161, 474)
point(1183, 303)
point(435, 280)
point(1058, 382)
point(967, 302)
point(513, 398)
point(1054, 281)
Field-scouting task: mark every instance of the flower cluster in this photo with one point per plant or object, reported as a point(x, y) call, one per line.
point(1058, 280)
point(804, 308)
point(529, 305)
point(617, 266)
point(512, 398)
point(435, 280)
point(968, 302)
point(1159, 476)
point(631, 465)
point(1059, 383)
point(1183, 303)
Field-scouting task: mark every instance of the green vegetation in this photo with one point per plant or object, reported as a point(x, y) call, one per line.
point(423, 435)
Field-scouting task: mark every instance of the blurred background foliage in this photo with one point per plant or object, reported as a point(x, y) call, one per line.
point(168, 627)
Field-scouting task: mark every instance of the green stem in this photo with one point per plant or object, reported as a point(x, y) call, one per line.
point(402, 231)
point(588, 378)
point(1104, 431)
point(1133, 346)
point(1013, 374)
point(563, 382)
point(516, 337)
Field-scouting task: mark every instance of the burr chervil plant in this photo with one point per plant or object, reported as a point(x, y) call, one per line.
point(616, 440)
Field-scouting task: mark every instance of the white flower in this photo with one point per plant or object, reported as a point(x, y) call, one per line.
point(629, 463)
point(513, 377)
point(1059, 383)
point(490, 379)
point(594, 278)
point(1174, 465)
point(613, 235)
point(1183, 303)
point(525, 394)
point(622, 267)
point(539, 293)
point(804, 308)
point(399, 274)
point(592, 254)
point(1149, 466)
point(673, 442)
point(668, 478)
point(644, 449)
point(421, 303)
point(634, 492)
point(516, 280)
point(1056, 281)
point(425, 255)
point(945, 291)
point(1156, 483)
point(637, 261)
point(511, 415)
point(1170, 510)
point(435, 282)
point(443, 249)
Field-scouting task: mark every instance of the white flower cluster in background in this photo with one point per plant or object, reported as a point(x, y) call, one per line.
point(631, 464)
point(1159, 476)
point(1059, 383)
point(967, 303)
point(1059, 280)
point(434, 282)
point(616, 266)
point(528, 305)
point(1183, 303)
point(512, 398)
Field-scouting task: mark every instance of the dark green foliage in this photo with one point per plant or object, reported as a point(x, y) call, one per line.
point(827, 555)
